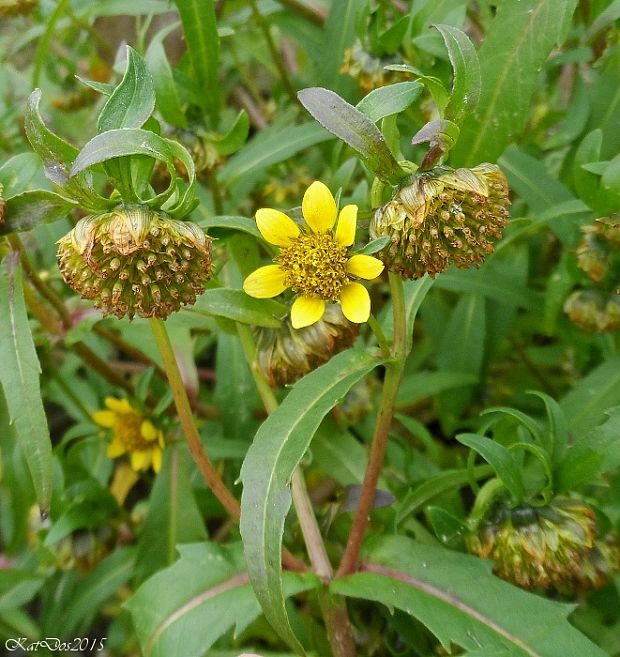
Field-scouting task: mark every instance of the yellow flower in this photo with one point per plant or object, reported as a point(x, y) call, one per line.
point(131, 434)
point(313, 260)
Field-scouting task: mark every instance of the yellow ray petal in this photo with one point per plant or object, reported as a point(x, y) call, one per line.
point(355, 302)
point(319, 208)
point(122, 483)
point(156, 459)
point(306, 311)
point(347, 223)
point(148, 431)
point(160, 438)
point(364, 266)
point(116, 448)
point(104, 418)
point(118, 405)
point(140, 460)
point(276, 227)
point(265, 282)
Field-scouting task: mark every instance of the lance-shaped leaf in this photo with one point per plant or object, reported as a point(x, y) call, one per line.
point(19, 376)
point(277, 449)
point(25, 211)
point(440, 134)
point(183, 610)
point(393, 99)
point(168, 102)
point(133, 100)
point(238, 306)
point(354, 128)
point(466, 73)
point(435, 586)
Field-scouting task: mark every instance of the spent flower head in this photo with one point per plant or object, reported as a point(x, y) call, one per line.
point(132, 434)
point(136, 260)
point(313, 260)
point(443, 216)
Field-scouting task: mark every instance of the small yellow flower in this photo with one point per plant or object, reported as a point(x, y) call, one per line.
point(131, 434)
point(313, 260)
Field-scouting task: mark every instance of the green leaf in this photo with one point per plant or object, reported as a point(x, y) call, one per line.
point(183, 610)
point(555, 439)
point(96, 588)
point(374, 245)
point(439, 134)
point(167, 102)
point(393, 99)
point(19, 376)
point(421, 385)
point(339, 455)
point(503, 462)
point(173, 516)
point(466, 72)
point(17, 172)
point(354, 128)
point(585, 405)
point(271, 146)
point(243, 224)
point(18, 587)
point(133, 100)
point(433, 84)
point(515, 48)
point(440, 483)
point(338, 35)
point(200, 30)
point(27, 210)
point(434, 585)
point(238, 306)
point(278, 447)
point(235, 136)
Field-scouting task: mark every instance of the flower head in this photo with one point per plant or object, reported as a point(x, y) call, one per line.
point(135, 260)
point(443, 216)
point(132, 434)
point(313, 260)
point(285, 354)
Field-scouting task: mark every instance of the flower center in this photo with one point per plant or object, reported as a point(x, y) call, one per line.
point(314, 265)
point(127, 430)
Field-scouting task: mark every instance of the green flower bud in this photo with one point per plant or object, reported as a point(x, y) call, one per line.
point(443, 216)
point(538, 547)
point(286, 354)
point(135, 260)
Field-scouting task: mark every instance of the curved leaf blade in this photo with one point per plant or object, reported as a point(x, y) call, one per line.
point(27, 210)
point(435, 586)
point(278, 447)
point(19, 377)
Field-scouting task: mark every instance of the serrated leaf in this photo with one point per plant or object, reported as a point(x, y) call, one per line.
point(354, 128)
point(183, 610)
point(515, 47)
point(27, 210)
point(278, 447)
point(392, 99)
point(504, 464)
point(19, 377)
point(434, 585)
point(466, 73)
point(173, 516)
point(238, 306)
point(133, 100)
point(200, 30)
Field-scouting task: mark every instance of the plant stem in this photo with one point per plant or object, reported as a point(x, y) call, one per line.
point(379, 335)
point(393, 376)
point(181, 400)
point(275, 55)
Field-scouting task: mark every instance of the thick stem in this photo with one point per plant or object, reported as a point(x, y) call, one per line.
point(393, 376)
point(181, 400)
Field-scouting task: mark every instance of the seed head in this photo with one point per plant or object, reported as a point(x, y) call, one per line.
point(538, 547)
point(444, 216)
point(135, 260)
point(286, 354)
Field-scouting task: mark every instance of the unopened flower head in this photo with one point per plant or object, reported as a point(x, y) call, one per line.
point(313, 260)
point(538, 547)
point(444, 216)
point(135, 260)
point(132, 434)
point(592, 310)
point(286, 354)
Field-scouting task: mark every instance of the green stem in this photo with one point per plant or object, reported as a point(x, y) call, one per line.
point(379, 335)
point(275, 55)
point(226, 498)
point(391, 384)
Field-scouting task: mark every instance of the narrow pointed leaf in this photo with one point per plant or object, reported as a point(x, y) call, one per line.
point(276, 451)
point(393, 99)
point(352, 127)
point(435, 586)
point(27, 210)
point(19, 376)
